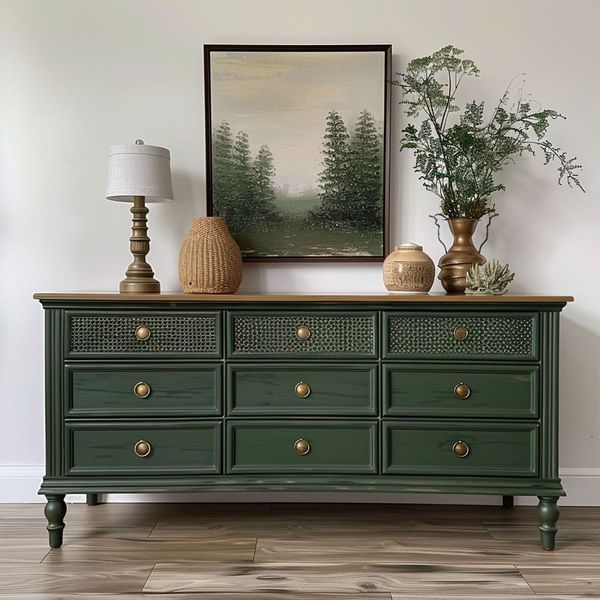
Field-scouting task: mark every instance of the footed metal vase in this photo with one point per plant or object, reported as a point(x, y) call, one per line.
point(459, 258)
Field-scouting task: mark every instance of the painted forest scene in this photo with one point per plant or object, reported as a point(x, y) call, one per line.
point(305, 180)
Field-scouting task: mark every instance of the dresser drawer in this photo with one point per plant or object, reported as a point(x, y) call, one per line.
point(493, 449)
point(174, 447)
point(461, 390)
point(301, 447)
point(491, 336)
point(145, 333)
point(282, 334)
point(305, 389)
point(142, 389)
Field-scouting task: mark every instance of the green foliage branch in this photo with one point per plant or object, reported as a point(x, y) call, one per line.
point(458, 161)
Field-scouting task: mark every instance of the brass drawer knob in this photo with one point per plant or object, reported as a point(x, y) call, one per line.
point(303, 332)
point(461, 449)
point(302, 447)
point(460, 333)
point(462, 390)
point(302, 389)
point(142, 333)
point(142, 389)
point(142, 448)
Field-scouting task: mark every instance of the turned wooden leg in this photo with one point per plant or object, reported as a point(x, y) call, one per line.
point(55, 512)
point(548, 513)
point(508, 501)
point(91, 499)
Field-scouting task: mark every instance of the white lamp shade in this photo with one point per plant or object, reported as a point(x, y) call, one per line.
point(139, 170)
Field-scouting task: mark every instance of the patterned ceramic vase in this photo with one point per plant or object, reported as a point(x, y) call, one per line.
point(210, 261)
point(408, 270)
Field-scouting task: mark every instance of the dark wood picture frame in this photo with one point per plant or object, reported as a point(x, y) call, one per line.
point(386, 50)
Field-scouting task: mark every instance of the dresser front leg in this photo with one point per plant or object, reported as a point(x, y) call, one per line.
point(548, 513)
point(55, 512)
point(508, 501)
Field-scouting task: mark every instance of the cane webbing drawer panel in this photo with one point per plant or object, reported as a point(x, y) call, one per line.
point(154, 393)
point(330, 334)
point(487, 336)
point(112, 334)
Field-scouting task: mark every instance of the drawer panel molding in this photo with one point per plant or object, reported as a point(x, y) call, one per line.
point(143, 389)
point(461, 390)
point(302, 389)
point(301, 446)
point(139, 448)
point(493, 449)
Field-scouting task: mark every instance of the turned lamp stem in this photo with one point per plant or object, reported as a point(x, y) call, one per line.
point(139, 276)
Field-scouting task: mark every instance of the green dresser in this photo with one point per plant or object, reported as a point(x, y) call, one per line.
point(388, 393)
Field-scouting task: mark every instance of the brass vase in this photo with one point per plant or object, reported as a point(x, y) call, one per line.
point(457, 261)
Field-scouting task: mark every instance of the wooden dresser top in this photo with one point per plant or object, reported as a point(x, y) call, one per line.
point(295, 297)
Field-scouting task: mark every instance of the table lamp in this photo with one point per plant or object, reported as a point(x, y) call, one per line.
point(138, 173)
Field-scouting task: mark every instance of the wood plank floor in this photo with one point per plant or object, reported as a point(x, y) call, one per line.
point(297, 551)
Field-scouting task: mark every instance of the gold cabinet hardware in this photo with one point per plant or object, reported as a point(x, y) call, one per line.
point(460, 333)
point(142, 448)
point(302, 389)
point(302, 447)
point(142, 333)
point(303, 332)
point(461, 449)
point(142, 389)
point(462, 390)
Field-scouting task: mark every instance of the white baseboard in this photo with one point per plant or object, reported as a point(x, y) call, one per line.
point(20, 483)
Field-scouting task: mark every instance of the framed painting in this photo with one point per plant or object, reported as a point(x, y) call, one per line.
point(297, 149)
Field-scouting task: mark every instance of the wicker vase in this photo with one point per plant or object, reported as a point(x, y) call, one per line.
point(210, 261)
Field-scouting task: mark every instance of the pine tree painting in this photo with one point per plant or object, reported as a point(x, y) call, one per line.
point(297, 150)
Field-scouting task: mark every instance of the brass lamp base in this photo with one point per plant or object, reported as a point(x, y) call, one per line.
point(139, 278)
point(139, 285)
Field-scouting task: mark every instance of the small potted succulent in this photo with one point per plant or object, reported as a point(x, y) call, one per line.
point(458, 156)
point(492, 278)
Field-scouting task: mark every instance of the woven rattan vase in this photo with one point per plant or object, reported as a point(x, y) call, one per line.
point(210, 262)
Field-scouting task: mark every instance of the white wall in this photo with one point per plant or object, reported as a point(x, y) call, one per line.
point(77, 76)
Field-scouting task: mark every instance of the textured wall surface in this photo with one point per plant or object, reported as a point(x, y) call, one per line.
point(77, 76)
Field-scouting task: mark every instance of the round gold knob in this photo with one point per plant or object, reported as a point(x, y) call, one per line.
point(141, 389)
point(142, 333)
point(460, 333)
point(461, 449)
point(303, 332)
point(142, 448)
point(302, 389)
point(462, 390)
point(301, 446)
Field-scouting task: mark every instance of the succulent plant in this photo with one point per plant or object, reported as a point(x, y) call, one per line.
point(491, 278)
